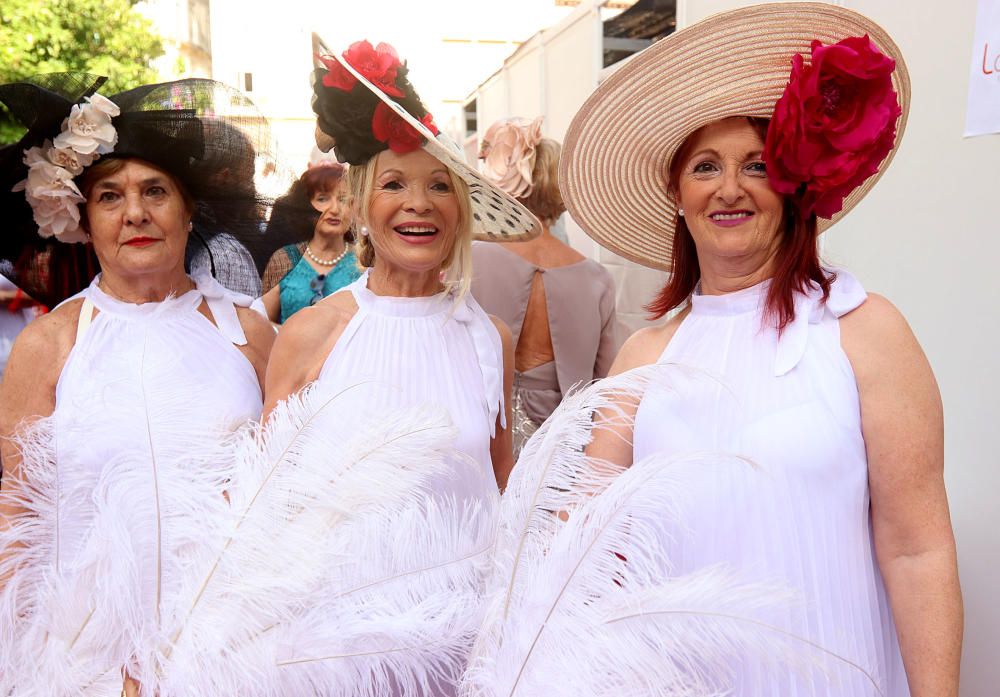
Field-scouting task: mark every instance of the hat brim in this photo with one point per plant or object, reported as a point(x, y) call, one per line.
point(497, 217)
point(613, 173)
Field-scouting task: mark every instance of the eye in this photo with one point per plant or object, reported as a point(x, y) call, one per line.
point(107, 197)
point(321, 198)
point(156, 190)
point(757, 168)
point(704, 167)
point(441, 187)
point(392, 185)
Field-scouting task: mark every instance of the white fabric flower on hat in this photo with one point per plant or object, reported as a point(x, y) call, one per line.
point(88, 129)
point(508, 154)
point(53, 196)
point(71, 160)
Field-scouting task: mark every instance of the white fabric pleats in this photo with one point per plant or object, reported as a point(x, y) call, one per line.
point(797, 515)
point(124, 475)
point(431, 350)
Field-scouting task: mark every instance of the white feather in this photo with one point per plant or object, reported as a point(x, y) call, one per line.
point(592, 605)
point(335, 545)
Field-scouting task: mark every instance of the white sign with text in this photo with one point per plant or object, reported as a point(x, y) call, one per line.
point(983, 115)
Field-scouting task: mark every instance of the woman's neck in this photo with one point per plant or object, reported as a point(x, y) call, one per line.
point(145, 288)
point(327, 247)
point(728, 275)
point(383, 280)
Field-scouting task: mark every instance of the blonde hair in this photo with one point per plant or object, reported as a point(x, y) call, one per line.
point(545, 201)
point(457, 266)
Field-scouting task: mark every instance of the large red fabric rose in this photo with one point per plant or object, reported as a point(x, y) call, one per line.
point(393, 130)
point(379, 65)
point(834, 124)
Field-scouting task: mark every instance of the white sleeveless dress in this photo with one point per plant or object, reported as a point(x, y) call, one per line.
point(146, 398)
point(410, 351)
point(800, 517)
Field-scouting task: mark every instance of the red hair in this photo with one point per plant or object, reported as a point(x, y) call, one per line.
point(321, 179)
point(796, 264)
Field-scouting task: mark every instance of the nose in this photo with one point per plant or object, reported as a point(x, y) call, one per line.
point(417, 200)
point(136, 213)
point(730, 187)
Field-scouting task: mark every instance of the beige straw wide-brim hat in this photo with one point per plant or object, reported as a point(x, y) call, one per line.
point(497, 217)
point(613, 172)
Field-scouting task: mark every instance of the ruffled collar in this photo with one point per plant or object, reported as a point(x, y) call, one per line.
point(846, 294)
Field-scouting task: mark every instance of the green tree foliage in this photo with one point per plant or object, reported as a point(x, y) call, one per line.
point(103, 37)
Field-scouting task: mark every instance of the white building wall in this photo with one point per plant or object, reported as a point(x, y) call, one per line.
point(928, 238)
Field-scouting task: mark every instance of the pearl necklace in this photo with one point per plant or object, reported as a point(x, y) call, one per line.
point(325, 262)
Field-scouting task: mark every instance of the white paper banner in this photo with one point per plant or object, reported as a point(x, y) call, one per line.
point(983, 115)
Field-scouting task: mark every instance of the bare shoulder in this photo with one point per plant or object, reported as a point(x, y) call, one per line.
point(322, 323)
point(303, 344)
point(646, 345)
point(876, 331)
point(260, 338)
point(36, 361)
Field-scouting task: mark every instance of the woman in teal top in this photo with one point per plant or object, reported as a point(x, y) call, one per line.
point(302, 274)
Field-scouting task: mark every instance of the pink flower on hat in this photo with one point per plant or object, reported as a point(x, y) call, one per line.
point(508, 154)
point(379, 65)
point(834, 124)
point(88, 129)
point(53, 196)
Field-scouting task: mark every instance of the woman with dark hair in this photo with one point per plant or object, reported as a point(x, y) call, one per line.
point(559, 305)
point(719, 154)
point(300, 275)
point(114, 404)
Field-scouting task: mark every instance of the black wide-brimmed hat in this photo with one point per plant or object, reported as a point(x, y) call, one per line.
point(206, 134)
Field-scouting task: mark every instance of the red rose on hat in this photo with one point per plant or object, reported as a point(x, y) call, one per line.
point(392, 129)
point(379, 65)
point(834, 124)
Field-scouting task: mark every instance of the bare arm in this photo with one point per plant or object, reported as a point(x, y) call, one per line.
point(903, 427)
point(302, 346)
point(613, 441)
point(260, 338)
point(272, 303)
point(502, 445)
point(28, 391)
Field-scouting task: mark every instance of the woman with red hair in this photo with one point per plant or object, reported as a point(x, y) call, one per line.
point(300, 275)
point(726, 181)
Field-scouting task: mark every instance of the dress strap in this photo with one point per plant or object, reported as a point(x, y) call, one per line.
point(86, 317)
point(489, 351)
point(222, 303)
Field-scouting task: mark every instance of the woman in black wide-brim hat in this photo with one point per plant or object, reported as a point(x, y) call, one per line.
point(114, 405)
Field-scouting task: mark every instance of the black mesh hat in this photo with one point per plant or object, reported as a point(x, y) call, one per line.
point(365, 104)
point(206, 134)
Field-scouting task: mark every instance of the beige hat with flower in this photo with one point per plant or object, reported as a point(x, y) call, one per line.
point(831, 80)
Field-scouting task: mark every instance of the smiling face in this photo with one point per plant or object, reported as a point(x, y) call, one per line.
point(334, 207)
point(413, 212)
point(138, 220)
point(729, 207)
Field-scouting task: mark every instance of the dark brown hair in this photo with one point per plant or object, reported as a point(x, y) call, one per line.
point(797, 264)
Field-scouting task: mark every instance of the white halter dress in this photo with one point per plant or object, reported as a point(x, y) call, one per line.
point(410, 351)
point(800, 517)
point(144, 403)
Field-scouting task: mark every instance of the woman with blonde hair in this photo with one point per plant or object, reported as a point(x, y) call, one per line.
point(409, 322)
point(559, 304)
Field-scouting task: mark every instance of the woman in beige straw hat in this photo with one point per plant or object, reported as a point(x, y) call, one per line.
point(719, 154)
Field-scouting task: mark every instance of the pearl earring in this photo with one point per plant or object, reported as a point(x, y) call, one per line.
point(680, 212)
point(364, 231)
point(190, 226)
